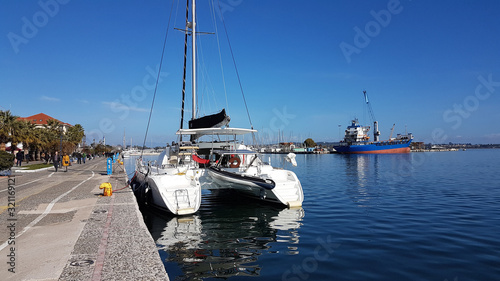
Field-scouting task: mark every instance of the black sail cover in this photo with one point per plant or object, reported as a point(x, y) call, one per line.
point(216, 120)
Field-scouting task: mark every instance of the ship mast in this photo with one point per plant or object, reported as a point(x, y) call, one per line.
point(193, 56)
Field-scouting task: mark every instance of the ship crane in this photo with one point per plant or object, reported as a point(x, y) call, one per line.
point(376, 132)
point(392, 131)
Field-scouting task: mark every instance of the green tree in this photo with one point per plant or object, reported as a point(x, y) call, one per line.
point(49, 139)
point(36, 144)
point(6, 160)
point(52, 135)
point(100, 148)
point(309, 143)
point(75, 134)
point(27, 134)
point(7, 126)
point(53, 127)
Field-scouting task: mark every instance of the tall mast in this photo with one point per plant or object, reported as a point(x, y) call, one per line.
point(186, 34)
point(193, 34)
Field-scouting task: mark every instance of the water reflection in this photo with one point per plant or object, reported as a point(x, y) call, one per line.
point(357, 168)
point(225, 238)
point(366, 174)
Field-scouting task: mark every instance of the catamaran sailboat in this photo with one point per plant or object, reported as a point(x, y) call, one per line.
point(234, 166)
point(256, 179)
point(175, 180)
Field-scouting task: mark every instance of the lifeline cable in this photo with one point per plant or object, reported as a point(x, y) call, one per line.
point(236, 68)
point(157, 79)
point(237, 73)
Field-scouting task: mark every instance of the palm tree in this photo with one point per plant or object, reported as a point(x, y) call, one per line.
point(28, 135)
point(48, 139)
point(75, 134)
point(37, 144)
point(18, 130)
point(53, 127)
point(7, 125)
point(52, 134)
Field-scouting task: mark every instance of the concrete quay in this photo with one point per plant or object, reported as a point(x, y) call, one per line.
point(58, 226)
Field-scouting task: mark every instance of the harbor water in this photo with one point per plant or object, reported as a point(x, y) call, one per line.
point(417, 216)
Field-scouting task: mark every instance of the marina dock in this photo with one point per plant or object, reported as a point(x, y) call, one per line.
point(58, 226)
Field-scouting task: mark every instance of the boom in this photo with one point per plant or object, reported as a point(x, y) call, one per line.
point(370, 110)
point(392, 131)
point(376, 132)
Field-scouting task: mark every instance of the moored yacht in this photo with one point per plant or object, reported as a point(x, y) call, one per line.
point(171, 183)
point(234, 166)
point(175, 180)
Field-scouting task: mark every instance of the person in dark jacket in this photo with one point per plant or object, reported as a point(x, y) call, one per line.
point(55, 160)
point(19, 158)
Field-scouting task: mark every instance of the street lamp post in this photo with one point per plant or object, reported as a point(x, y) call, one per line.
point(61, 134)
point(60, 143)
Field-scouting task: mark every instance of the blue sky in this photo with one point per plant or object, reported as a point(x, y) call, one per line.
point(429, 66)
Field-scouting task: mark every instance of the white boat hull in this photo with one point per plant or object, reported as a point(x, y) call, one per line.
point(287, 189)
point(176, 190)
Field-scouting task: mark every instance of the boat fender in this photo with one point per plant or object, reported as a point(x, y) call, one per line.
point(145, 194)
point(234, 162)
point(148, 196)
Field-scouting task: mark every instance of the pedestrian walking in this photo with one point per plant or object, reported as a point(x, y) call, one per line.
point(55, 160)
point(84, 156)
point(19, 158)
point(65, 162)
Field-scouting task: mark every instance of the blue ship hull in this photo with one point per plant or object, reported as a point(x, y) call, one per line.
point(374, 147)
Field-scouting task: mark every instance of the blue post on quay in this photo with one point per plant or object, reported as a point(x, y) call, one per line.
point(109, 166)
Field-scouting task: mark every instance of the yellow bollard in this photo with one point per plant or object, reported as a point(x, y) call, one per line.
point(108, 190)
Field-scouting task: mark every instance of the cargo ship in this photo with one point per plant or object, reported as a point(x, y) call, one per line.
point(357, 140)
